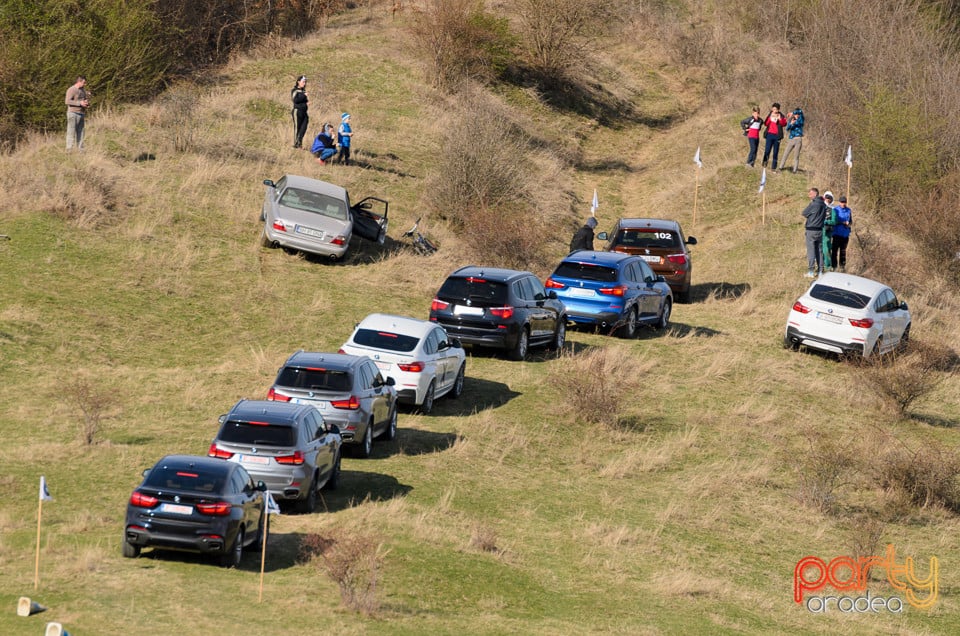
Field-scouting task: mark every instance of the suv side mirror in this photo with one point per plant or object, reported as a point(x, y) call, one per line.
point(661, 279)
point(222, 419)
point(552, 294)
point(262, 487)
point(903, 305)
point(602, 236)
point(455, 343)
point(333, 428)
point(390, 382)
point(269, 183)
point(691, 240)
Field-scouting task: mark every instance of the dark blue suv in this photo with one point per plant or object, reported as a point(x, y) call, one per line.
point(611, 290)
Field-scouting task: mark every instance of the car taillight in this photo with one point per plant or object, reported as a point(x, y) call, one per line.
point(679, 259)
point(351, 404)
point(276, 397)
point(341, 350)
point(217, 452)
point(619, 290)
point(864, 323)
point(413, 367)
point(502, 312)
point(339, 240)
point(438, 305)
point(141, 500)
point(797, 306)
point(295, 459)
point(279, 226)
point(216, 509)
point(552, 284)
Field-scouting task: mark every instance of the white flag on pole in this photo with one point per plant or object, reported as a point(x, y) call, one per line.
point(763, 180)
point(595, 204)
point(272, 507)
point(696, 158)
point(44, 493)
point(849, 158)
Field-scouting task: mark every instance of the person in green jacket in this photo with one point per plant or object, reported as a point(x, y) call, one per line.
point(828, 222)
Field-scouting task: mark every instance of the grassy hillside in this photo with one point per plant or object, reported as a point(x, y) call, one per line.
point(139, 286)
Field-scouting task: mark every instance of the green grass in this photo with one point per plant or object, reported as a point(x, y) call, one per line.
point(683, 519)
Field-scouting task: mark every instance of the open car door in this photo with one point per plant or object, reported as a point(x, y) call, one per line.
point(370, 219)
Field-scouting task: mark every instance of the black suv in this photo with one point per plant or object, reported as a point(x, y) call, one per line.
point(288, 446)
point(502, 308)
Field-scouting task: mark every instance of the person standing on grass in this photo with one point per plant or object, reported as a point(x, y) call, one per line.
point(775, 123)
point(795, 138)
point(828, 223)
point(751, 129)
point(298, 95)
point(323, 146)
point(77, 101)
point(843, 218)
point(344, 136)
point(583, 239)
point(813, 216)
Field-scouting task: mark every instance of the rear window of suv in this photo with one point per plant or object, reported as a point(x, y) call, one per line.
point(586, 271)
point(648, 238)
point(315, 379)
point(837, 296)
point(385, 340)
point(475, 289)
point(169, 478)
point(237, 432)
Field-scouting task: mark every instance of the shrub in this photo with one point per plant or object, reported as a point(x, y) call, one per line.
point(599, 384)
point(93, 401)
point(556, 34)
point(925, 476)
point(354, 562)
point(827, 464)
point(900, 379)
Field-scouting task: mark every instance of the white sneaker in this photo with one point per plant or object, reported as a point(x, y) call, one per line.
point(811, 274)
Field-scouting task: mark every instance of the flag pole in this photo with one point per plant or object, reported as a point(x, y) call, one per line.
point(696, 192)
point(263, 553)
point(36, 569)
point(763, 209)
point(849, 169)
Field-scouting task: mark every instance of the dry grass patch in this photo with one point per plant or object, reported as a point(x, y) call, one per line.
point(598, 385)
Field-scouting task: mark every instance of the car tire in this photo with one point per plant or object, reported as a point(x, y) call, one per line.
point(231, 558)
point(365, 448)
point(264, 239)
point(427, 405)
point(258, 539)
point(391, 433)
point(664, 318)
point(905, 339)
point(457, 389)
point(309, 503)
point(560, 335)
point(129, 550)
point(519, 351)
point(334, 480)
point(629, 329)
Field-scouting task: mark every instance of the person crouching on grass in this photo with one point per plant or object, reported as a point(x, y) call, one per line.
point(323, 146)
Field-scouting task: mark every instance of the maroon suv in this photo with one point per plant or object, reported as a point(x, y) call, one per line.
point(660, 243)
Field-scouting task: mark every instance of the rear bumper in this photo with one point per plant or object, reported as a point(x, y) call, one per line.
point(203, 544)
point(292, 241)
point(795, 336)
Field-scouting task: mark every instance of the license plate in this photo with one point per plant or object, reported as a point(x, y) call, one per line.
point(254, 459)
point(650, 259)
point(829, 318)
point(579, 292)
point(463, 310)
point(309, 232)
point(383, 366)
point(176, 509)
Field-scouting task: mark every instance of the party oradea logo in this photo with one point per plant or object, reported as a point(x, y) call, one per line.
point(850, 575)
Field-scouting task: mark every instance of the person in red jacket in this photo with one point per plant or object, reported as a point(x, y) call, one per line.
point(775, 123)
point(751, 130)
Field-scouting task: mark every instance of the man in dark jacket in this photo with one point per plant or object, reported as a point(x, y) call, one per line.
point(814, 215)
point(583, 239)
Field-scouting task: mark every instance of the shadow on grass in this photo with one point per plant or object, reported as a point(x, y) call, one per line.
point(933, 420)
point(679, 330)
point(722, 291)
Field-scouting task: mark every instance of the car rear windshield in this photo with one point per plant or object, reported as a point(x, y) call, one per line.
point(386, 340)
point(837, 296)
point(313, 379)
point(475, 289)
point(237, 432)
point(185, 478)
point(648, 237)
point(586, 271)
point(314, 202)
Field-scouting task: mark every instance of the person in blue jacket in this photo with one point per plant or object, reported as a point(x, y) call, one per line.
point(323, 146)
point(795, 141)
point(841, 234)
point(344, 135)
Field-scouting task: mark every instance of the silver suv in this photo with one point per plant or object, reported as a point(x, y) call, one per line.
point(287, 446)
point(348, 390)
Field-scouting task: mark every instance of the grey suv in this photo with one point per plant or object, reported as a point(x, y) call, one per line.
point(287, 446)
point(348, 390)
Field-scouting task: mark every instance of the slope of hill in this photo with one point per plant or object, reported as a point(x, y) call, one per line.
point(138, 301)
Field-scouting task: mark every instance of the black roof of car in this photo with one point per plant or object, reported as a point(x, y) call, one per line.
point(208, 464)
point(490, 273)
point(267, 411)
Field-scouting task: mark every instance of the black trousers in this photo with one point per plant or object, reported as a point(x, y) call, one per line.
point(300, 121)
point(344, 156)
point(839, 249)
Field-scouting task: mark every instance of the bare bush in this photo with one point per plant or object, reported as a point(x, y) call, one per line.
point(597, 385)
point(93, 401)
point(865, 535)
point(828, 463)
point(461, 41)
point(902, 378)
point(484, 538)
point(556, 34)
point(178, 115)
point(354, 562)
point(927, 475)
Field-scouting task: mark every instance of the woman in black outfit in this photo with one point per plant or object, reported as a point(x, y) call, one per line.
point(299, 112)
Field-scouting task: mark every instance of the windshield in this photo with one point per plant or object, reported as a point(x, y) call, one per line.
point(314, 379)
point(586, 271)
point(476, 290)
point(648, 238)
point(385, 340)
point(260, 434)
point(185, 478)
point(314, 202)
point(837, 296)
